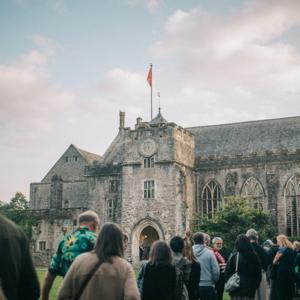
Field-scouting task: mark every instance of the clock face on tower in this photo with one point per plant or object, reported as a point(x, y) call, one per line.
point(147, 147)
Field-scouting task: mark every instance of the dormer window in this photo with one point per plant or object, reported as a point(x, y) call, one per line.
point(66, 158)
point(149, 162)
point(75, 158)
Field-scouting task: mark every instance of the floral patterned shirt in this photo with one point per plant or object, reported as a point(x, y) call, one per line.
point(80, 241)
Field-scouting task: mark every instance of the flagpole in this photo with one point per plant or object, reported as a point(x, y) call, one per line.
point(151, 89)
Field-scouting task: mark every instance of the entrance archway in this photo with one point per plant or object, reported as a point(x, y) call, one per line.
point(147, 237)
point(144, 233)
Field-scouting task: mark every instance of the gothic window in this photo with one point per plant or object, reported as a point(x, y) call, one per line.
point(292, 198)
point(211, 198)
point(253, 191)
point(149, 162)
point(113, 186)
point(149, 189)
point(111, 209)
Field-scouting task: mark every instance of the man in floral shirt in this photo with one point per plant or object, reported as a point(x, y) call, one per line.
point(81, 240)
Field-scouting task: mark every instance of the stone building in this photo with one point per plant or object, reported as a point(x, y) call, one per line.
point(154, 177)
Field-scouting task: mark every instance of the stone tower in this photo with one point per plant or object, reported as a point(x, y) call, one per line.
point(146, 181)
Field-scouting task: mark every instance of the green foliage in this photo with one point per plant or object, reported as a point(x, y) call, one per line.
point(235, 218)
point(17, 210)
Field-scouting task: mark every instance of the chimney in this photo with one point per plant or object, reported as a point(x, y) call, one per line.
point(122, 120)
point(138, 122)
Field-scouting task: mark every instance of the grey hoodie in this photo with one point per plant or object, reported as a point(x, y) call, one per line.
point(210, 270)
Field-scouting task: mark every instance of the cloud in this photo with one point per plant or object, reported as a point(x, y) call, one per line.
point(240, 63)
point(30, 103)
point(151, 5)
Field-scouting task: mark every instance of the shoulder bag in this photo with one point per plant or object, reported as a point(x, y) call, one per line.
point(233, 282)
point(87, 279)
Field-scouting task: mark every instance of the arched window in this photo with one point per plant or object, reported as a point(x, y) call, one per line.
point(292, 198)
point(253, 191)
point(211, 198)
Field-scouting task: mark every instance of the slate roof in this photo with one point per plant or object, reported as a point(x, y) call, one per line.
point(247, 137)
point(159, 119)
point(88, 156)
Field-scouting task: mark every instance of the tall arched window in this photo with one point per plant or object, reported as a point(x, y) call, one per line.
point(292, 198)
point(253, 191)
point(211, 198)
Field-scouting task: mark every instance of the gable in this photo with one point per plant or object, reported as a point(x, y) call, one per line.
point(71, 165)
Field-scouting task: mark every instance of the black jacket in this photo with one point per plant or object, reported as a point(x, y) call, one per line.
point(262, 255)
point(17, 273)
point(159, 282)
point(249, 271)
point(193, 285)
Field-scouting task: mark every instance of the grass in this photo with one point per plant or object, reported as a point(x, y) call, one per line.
point(53, 294)
point(41, 274)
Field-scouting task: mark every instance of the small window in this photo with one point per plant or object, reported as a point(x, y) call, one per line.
point(67, 158)
point(113, 186)
point(149, 162)
point(74, 222)
point(76, 158)
point(149, 189)
point(42, 245)
point(66, 204)
point(111, 209)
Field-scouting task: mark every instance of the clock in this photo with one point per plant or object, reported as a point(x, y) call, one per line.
point(147, 147)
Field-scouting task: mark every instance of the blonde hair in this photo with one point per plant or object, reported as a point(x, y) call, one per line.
point(296, 245)
point(188, 250)
point(283, 241)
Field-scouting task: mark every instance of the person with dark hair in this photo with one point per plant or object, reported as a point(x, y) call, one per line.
point(18, 278)
point(102, 273)
point(248, 266)
point(180, 262)
point(272, 268)
point(263, 291)
point(158, 276)
point(210, 270)
point(193, 284)
point(81, 240)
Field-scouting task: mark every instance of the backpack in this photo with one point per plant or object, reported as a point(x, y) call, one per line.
point(181, 292)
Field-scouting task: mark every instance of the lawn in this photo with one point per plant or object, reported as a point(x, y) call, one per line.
point(41, 274)
point(58, 280)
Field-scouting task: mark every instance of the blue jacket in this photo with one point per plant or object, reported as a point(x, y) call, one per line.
point(210, 270)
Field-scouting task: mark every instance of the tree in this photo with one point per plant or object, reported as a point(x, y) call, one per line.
point(235, 218)
point(17, 210)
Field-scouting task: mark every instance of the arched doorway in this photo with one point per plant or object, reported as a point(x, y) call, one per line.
point(147, 237)
point(144, 233)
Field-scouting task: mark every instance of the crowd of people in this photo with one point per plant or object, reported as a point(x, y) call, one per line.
point(93, 267)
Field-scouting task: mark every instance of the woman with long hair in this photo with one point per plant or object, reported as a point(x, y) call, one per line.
point(193, 284)
point(159, 275)
point(103, 273)
point(248, 268)
point(284, 264)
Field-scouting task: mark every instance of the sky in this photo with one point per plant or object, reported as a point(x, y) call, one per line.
point(67, 67)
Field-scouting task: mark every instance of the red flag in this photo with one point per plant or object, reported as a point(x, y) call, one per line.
point(149, 77)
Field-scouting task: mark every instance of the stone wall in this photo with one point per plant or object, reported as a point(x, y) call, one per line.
point(70, 166)
point(272, 175)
